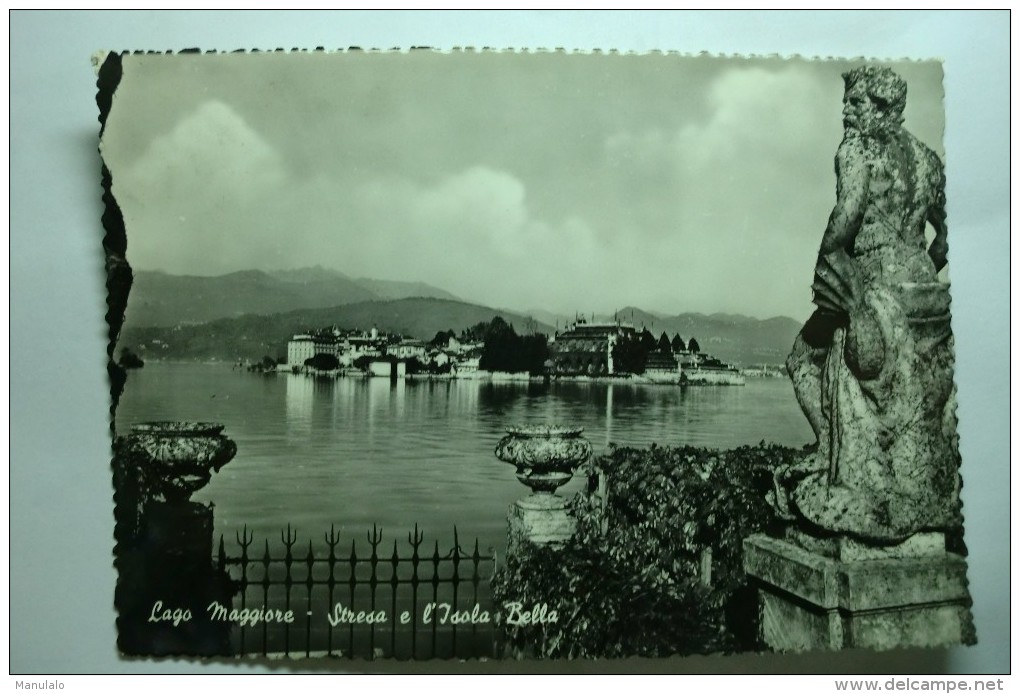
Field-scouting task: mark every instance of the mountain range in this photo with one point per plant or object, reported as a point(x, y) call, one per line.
point(254, 336)
point(161, 299)
point(731, 337)
point(251, 314)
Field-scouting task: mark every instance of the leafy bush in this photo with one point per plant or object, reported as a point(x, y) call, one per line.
point(505, 350)
point(629, 583)
point(130, 360)
point(323, 362)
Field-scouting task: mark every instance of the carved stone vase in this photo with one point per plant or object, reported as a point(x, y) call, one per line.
point(165, 547)
point(178, 458)
point(546, 458)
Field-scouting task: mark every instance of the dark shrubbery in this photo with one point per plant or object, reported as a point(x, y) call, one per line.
point(417, 366)
point(505, 350)
point(629, 583)
point(267, 365)
point(130, 360)
point(323, 362)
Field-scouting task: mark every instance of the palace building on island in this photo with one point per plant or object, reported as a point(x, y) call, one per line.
point(587, 348)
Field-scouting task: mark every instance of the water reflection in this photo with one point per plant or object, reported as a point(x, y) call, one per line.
point(609, 414)
point(397, 389)
point(358, 451)
point(617, 413)
point(299, 404)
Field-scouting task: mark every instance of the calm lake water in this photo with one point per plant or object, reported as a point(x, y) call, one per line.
point(355, 451)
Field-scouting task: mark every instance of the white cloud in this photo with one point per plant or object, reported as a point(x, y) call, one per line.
point(744, 192)
point(471, 232)
point(211, 196)
point(672, 187)
point(187, 196)
point(693, 208)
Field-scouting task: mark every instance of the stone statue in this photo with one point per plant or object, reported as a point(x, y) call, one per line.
point(873, 367)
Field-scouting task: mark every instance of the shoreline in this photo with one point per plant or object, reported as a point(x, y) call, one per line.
point(698, 378)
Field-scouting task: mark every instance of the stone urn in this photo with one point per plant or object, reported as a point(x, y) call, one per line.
point(178, 458)
point(164, 554)
point(546, 458)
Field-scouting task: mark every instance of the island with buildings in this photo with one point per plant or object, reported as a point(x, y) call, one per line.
point(583, 350)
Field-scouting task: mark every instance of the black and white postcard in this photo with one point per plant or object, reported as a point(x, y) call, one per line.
point(529, 354)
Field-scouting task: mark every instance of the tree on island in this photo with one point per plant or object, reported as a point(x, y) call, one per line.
point(499, 351)
point(505, 350)
point(693, 346)
point(323, 362)
point(480, 332)
point(442, 338)
point(629, 356)
point(534, 351)
point(648, 342)
point(664, 345)
point(267, 364)
point(417, 366)
point(678, 344)
point(130, 360)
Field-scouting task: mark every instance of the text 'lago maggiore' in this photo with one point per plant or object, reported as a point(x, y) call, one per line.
point(442, 613)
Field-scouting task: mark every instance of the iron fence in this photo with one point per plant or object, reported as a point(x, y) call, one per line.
point(376, 603)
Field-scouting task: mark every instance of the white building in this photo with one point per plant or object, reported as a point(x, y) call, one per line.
point(468, 367)
point(305, 346)
point(408, 349)
point(387, 369)
point(355, 347)
point(439, 358)
point(300, 348)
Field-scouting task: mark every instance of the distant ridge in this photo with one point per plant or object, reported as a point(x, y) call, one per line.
point(734, 338)
point(254, 336)
point(391, 289)
point(161, 299)
point(380, 289)
point(305, 298)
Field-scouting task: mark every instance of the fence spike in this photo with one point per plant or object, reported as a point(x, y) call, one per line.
point(394, 578)
point(416, 539)
point(349, 578)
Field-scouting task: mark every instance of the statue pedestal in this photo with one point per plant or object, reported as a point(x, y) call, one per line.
point(843, 596)
point(541, 519)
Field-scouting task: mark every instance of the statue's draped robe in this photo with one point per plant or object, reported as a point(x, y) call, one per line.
point(883, 404)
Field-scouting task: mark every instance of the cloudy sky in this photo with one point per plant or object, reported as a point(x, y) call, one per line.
point(563, 182)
